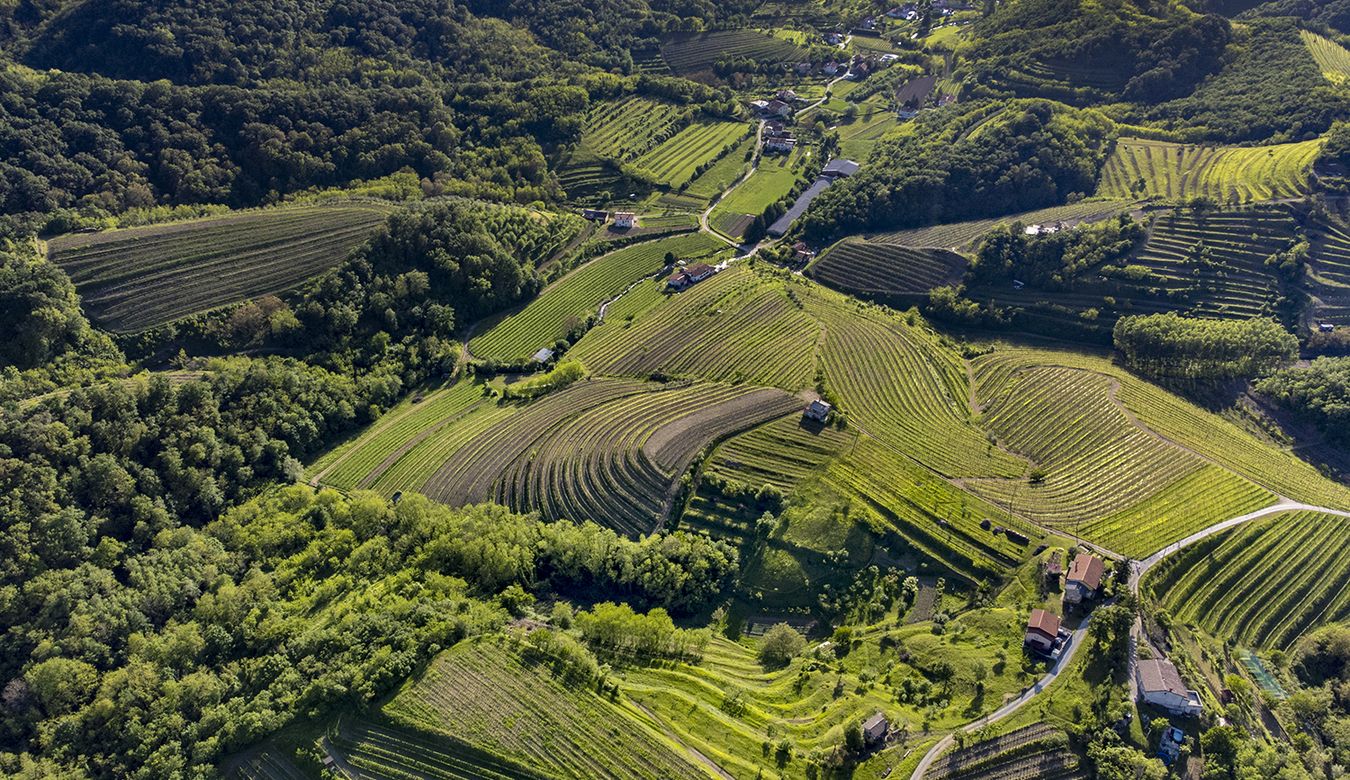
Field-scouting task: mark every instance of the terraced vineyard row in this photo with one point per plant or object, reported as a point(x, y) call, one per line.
point(692, 52)
point(624, 129)
point(481, 694)
point(1262, 584)
point(888, 270)
point(1099, 468)
point(566, 303)
point(1215, 264)
point(781, 453)
point(900, 386)
point(734, 327)
point(957, 235)
point(1140, 168)
point(1330, 257)
point(721, 174)
point(603, 450)
point(674, 162)
point(358, 463)
point(141, 277)
point(392, 752)
point(1039, 751)
point(1331, 57)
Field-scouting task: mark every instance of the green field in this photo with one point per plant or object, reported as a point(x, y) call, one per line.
point(1226, 174)
point(692, 52)
point(1331, 57)
point(1039, 750)
point(565, 304)
point(625, 129)
point(869, 268)
point(676, 160)
point(721, 174)
point(138, 278)
point(857, 138)
point(1262, 584)
point(770, 182)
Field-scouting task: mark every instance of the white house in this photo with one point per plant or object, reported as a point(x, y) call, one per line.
point(625, 219)
point(1161, 685)
point(1042, 630)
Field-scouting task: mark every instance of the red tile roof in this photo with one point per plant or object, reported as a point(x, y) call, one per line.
point(1087, 569)
point(1044, 622)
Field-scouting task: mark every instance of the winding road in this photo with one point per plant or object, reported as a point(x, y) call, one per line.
point(1137, 571)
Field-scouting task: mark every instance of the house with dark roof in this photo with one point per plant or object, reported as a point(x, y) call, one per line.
point(818, 410)
point(839, 167)
point(1085, 578)
point(1042, 631)
point(1160, 684)
point(875, 729)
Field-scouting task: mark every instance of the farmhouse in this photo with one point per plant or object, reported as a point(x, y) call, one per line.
point(801, 252)
point(689, 276)
point(778, 108)
point(1042, 631)
point(1161, 685)
point(625, 219)
point(780, 143)
point(839, 168)
point(818, 410)
point(786, 95)
point(875, 729)
point(1085, 578)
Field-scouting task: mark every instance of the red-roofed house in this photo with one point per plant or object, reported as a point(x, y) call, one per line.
point(1085, 578)
point(1042, 629)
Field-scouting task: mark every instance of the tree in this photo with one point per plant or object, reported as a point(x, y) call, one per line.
point(779, 645)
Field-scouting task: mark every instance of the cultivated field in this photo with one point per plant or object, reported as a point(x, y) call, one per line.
point(482, 694)
point(1262, 584)
point(956, 235)
point(735, 327)
point(1140, 168)
point(608, 450)
point(675, 161)
point(627, 128)
point(138, 278)
point(720, 175)
point(1039, 751)
point(770, 182)
point(1331, 57)
point(782, 453)
point(565, 304)
point(693, 52)
point(886, 270)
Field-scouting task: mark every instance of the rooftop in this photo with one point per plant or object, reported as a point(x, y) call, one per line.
point(1158, 675)
point(1045, 622)
point(1087, 569)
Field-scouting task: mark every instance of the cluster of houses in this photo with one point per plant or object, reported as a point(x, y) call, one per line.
point(623, 220)
point(1045, 229)
point(909, 12)
point(777, 138)
point(689, 276)
point(781, 105)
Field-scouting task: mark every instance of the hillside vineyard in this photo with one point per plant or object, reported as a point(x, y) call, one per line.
point(751, 390)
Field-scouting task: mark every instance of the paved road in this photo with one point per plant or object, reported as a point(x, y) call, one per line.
point(1079, 636)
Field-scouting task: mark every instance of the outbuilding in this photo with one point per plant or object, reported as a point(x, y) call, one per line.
point(818, 410)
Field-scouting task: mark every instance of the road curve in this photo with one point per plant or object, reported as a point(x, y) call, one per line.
point(1079, 636)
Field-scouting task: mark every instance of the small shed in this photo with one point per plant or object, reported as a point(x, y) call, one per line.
point(875, 729)
point(543, 355)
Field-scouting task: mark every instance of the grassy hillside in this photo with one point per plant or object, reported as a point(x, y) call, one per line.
point(564, 305)
point(138, 278)
point(1177, 172)
point(1262, 584)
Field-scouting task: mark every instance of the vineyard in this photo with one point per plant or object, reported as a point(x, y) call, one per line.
point(138, 278)
point(627, 128)
point(886, 270)
point(1331, 57)
point(1139, 168)
point(1039, 751)
point(690, 53)
point(1214, 264)
point(607, 450)
point(782, 453)
point(771, 181)
point(1329, 265)
point(1262, 584)
point(958, 235)
point(735, 327)
point(483, 694)
point(720, 175)
point(564, 305)
point(388, 751)
point(675, 161)
point(1143, 492)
